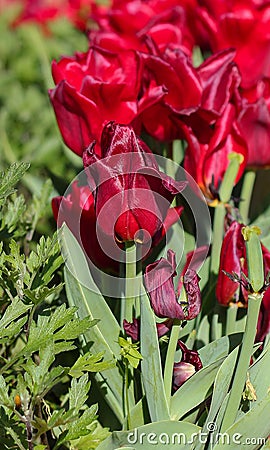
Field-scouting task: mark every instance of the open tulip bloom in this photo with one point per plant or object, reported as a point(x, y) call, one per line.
point(164, 233)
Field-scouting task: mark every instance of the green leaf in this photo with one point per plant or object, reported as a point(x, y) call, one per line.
point(79, 427)
point(11, 323)
point(130, 352)
point(104, 336)
point(11, 177)
point(194, 391)
point(219, 348)
point(5, 399)
point(44, 378)
point(168, 434)
point(78, 392)
point(90, 363)
point(151, 364)
point(250, 430)
point(220, 390)
point(62, 325)
point(258, 374)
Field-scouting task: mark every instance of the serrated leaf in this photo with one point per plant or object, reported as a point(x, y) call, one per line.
point(11, 177)
point(61, 325)
point(78, 392)
point(79, 427)
point(5, 399)
point(44, 378)
point(90, 363)
point(11, 323)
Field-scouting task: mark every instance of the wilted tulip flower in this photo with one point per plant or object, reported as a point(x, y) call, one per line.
point(189, 364)
point(132, 196)
point(164, 300)
point(132, 329)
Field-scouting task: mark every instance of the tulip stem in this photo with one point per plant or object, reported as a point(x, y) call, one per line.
point(246, 194)
point(225, 192)
point(217, 237)
point(246, 350)
point(130, 280)
point(231, 318)
point(127, 395)
point(168, 369)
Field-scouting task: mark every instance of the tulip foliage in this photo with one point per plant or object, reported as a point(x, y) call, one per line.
point(164, 233)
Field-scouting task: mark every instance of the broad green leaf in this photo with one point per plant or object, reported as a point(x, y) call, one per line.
point(100, 342)
point(220, 390)
point(151, 370)
point(195, 390)
point(259, 375)
point(203, 334)
point(168, 434)
point(219, 348)
point(137, 414)
point(250, 430)
point(104, 336)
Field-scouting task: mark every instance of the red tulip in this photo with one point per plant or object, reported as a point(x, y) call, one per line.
point(189, 364)
point(44, 11)
point(133, 329)
point(173, 70)
point(128, 23)
point(92, 89)
point(158, 281)
point(208, 161)
point(243, 26)
point(78, 212)
point(254, 123)
point(132, 196)
point(232, 260)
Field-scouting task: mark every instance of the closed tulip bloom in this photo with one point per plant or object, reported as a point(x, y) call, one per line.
point(132, 196)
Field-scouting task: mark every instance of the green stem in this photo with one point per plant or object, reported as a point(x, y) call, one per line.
point(231, 319)
point(218, 232)
point(225, 192)
point(127, 396)
point(246, 194)
point(168, 370)
point(130, 280)
point(246, 350)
